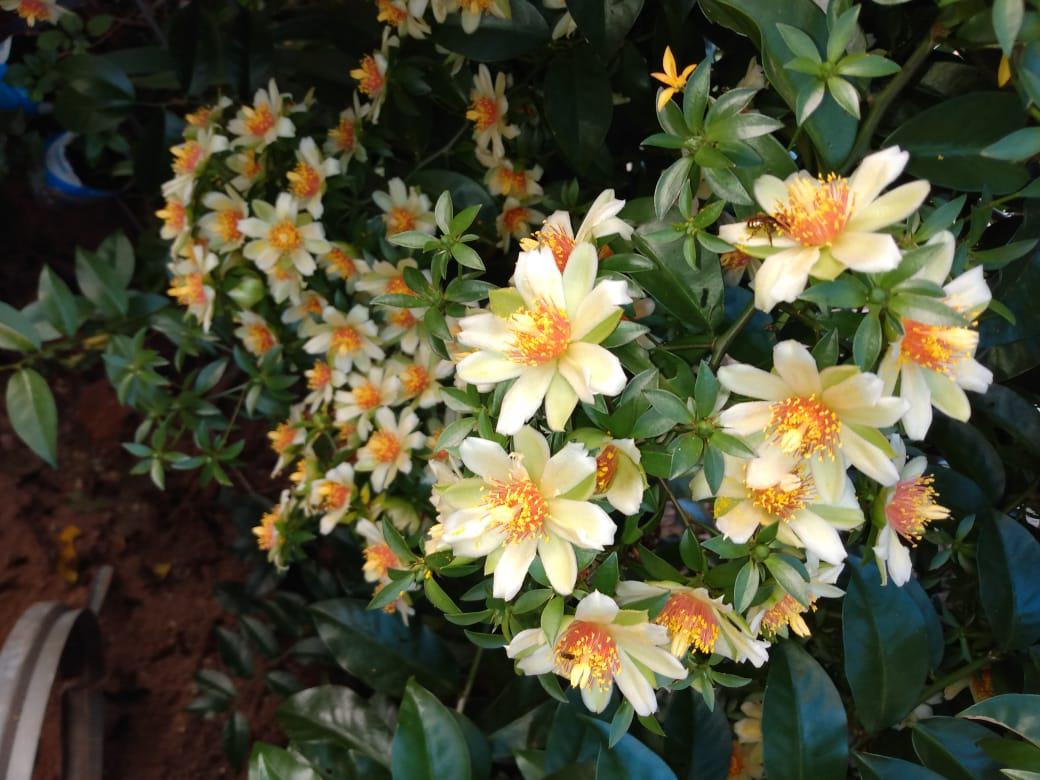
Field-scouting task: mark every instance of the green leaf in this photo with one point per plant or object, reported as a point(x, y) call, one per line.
point(629, 759)
point(604, 22)
point(804, 728)
point(496, 39)
point(875, 767)
point(379, 649)
point(950, 747)
point(57, 302)
point(670, 184)
point(846, 292)
point(886, 648)
point(1009, 588)
point(866, 344)
point(429, 743)
point(99, 282)
point(620, 722)
point(1007, 22)
point(33, 413)
point(606, 577)
point(697, 740)
point(467, 257)
point(670, 406)
point(269, 762)
point(789, 578)
point(946, 142)
point(731, 445)
point(235, 739)
point(844, 94)
point(998, 257)
point(868, 66)
point(1019, 712)
point(800, 44)
point(332, 712)
point(1016, 147)
point(745, 586)
point(16, 330)
point(714, 468)
point(842, 31)
point(690, 551)
point(578, 104)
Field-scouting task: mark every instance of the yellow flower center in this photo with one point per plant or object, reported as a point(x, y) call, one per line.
point(524, 502)
point(540, 335)
point(912, 507)
point(475, 6)
point(690, 621)
point(816, 211)
point(398, 286)
point(304, 181)
point(343, 135)
point(780, 503)
point(606, 467)
point(173, 215)
point(390, 13)
point(379, 559)
point(483, 113)
point(340, 262)
point(515, 220)
point(512, 181)
point(345, 339)
point(282, 437)
point(367, 396)
point(415, 379)
point(334, 495)
point(200, 117)
point(398, 220)
point(403, 318)
point(33, 11)
point(186, 157)
point(188, 289)
point(370, 80)
point(587, 655)
point(938, 347)
point(266, 534)
point(261, 338)
point(251, 164)
point(559, 243)
point(786, 612)
point(259, 120)
point(284, 236)
point(319, 376)
point(804, 425)
point(384, 446)
point(227, 225)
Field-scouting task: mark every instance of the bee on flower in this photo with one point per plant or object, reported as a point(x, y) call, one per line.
point(404, 208)
point(388, 450)
point(420, 377)
point(671, 78)
point(262, 123)
point(342, 262)
point(379, 560)
point(525, 505)
point(559, 237)
point(331, 495)
point(219, 225)
point(599, 646)
point(344, 140)
point(405, 16)
point(307, 181)
point(821, 226)
point(696, 620)
point(933, 361)
point(829, 418)
point(488, 107)
point(504, 179)
point(248, 167)
point(368, 392)
point(33, 11)
point(908, 507)
point(255, 334)
point(778, 487)
point(347, 340)
point(322, 381)
point(471, 11)
point(282, 236)
point(515, 221)
point(189, 287)
point(189, 159)
point(782, 613)
point(547, 340)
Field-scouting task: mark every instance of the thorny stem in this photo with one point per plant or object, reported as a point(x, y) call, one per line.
point(726, 339)
point(888, 94)
point(470, 679)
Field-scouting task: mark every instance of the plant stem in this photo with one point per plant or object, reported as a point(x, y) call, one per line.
point(953, 677)
point(687, 520)
point(470, 679)
point(888, 94)
point(446, 148)
point(726, 339)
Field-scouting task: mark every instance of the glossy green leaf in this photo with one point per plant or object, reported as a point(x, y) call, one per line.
point(429, 743)
point(332, 712)
point(269, 762)
point(697, 740)
point(1019, 712)
point(604, 22)
point(1009, 588)
point(950, 747)
point(629, 759)
point(33, 413)
point(804, 727)
point(875, 767)
point(16, 330)
point(578, 104)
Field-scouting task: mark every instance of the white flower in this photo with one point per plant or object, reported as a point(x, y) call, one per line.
point(695, 619)
point(342, 262)
point(33, 11)
point(504, 179)
point(823, 226)
point(286, 438)
point(776, 487)
point(379, 560)
point(175, 228)
point(331, 495)
point(781, 612)
point(828, 417)
point(189, 158)
point(256, 336)
point(619, 477)
point(189, 285)
point(565, 26)
point(472, 11)
point(405, 16)
point(933, 361)
point(307, 180)
point(515, 221)
point(487, 111)
point(282, 236)
point(248, 166)
point(206, 117)
point(525, 505)
point(264, 122)
point(548, 340)
point(909, 506)
point(420, 377)
point(322, 380)
point(602, 220)
point(344, 140)
point(385, 278)
point(347, 339)
point(310, 307)
point(219, 225)
point(367, 393)
point(404, 208)
point(389, 448)
point(598, 647)
point(370, 75)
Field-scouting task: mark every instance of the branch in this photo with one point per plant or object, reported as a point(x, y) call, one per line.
point(726, 339)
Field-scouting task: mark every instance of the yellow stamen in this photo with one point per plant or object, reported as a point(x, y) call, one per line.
point(912, 507)
point(804, 425)
point(816, 211)
point(606, 467)
point(523, 508)
point(690, 621)
point(587, 655)
point(384, 446)
point(284, 237)
point(938, 347)
point(540, 335)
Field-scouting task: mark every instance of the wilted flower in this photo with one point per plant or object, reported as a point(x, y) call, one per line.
point(379, 560)
point(781, 612)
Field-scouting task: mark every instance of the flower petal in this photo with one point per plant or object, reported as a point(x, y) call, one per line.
point(581, 523)
point(866, 252)
point(741, 521)
point(485, 458)
point(770, 192)
point(635, 687)
point(602, 369)
point(752, 382)
point(533, 449)
point(867, 458)
point(561, 567)
point(818, 536)
point(579, 275)
point(566, 469)
point(892, 207)
point(537, 278)
point(797, 367)
point(560, 400)
point(783, 276)
point(485, 367)
point(747, 418)
point(522, 400)
point(596, 608)
point(947, 397)
point(512, 567)
point(876, 172)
